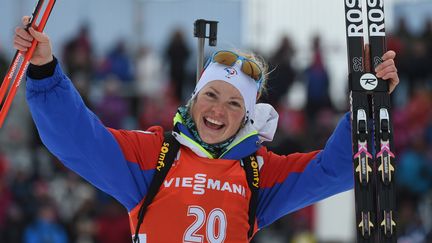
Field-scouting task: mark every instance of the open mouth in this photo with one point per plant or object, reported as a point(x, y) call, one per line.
point(213, 124)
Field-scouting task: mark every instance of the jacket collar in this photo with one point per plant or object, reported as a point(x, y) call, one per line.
point(247, 141)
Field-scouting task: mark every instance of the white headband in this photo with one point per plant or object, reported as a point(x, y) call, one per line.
point(233, 75)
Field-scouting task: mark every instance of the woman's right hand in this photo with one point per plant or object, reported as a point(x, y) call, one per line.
point(23, 39)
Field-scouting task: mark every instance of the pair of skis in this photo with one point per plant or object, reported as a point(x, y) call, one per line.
point(372, 134)
point(21, 60)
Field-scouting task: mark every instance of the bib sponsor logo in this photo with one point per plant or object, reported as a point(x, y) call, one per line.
point(200, 184)
point(161, 159)
point(255, 169)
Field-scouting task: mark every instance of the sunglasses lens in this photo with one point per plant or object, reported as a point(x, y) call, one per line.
point(251, 68)
point(225, 57)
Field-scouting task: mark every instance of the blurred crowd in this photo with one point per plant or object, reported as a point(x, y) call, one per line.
point(42, 201)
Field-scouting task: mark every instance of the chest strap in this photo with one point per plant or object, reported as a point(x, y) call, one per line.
point(251, 167)
point(168, 152)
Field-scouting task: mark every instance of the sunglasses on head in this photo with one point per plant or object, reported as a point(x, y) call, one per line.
point(248, 66)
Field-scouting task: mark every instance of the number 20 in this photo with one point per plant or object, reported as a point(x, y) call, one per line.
point(216, 215)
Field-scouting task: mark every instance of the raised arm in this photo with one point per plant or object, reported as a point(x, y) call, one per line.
point(294, 181)
point(114, 161)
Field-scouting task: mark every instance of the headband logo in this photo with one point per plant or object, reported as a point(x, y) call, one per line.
point(230, 72)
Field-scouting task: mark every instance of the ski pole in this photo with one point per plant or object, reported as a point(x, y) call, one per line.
point(200, 31)
point(11, 74)
point(18, 55)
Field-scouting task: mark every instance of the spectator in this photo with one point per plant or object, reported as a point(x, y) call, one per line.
point(5, 196)
point(113, 224)
point(78, 54)
point(3, 64)
point(177, 53)
point(70, 193)
point(410, 225)
point(118, 63)
point(150, 111)
point(418, 65)
point(112, 109)
point(4, 190)
point(14, 225)
point(45, 229)
point(83, 226)
point(317, 82)
point(426, 36)
point(414, 170)
point(282, 74)
point(403, 31)
point(149, 73)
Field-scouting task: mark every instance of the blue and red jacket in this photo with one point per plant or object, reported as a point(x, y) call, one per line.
point(202, 199)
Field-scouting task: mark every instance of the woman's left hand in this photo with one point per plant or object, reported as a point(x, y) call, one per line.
point(387, 70)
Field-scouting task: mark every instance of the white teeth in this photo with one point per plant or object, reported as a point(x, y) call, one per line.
point(214, 121)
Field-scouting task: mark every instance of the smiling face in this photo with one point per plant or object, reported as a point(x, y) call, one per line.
point(218, 111)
